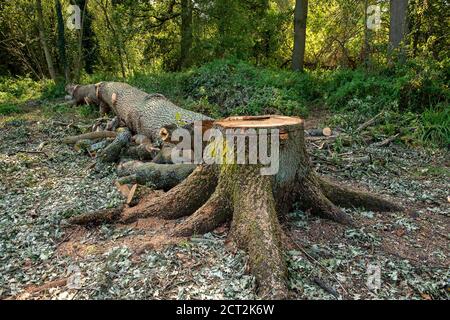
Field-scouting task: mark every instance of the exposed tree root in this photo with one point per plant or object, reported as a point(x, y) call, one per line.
point(207, 218)
point(256, 229)
point(179, 201)
point(98, 217)
point(349, 198)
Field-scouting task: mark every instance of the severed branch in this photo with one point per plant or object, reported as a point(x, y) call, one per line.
point(369, 123)
point(386, 141)
point(90, 136)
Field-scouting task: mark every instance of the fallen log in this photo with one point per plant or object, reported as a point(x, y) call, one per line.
point(166, 132)
point(368, 123)
point(113, 151)
point(141, 152)
point(141, 139)
point(165, 154)
point(141, 112)
point(158, 176)
point(325, 132)
point(386, 141)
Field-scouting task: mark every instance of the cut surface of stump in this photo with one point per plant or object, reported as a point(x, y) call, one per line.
point(254, 202)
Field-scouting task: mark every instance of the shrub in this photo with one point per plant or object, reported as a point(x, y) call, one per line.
point(239, 88)
point(7, 109)
point(434, 126)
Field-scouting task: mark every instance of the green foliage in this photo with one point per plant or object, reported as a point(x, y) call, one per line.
point(350, 90)
point(434, 126)
point(14, 90)
point(87, 111)
point(7, 109)
point(52, 110)
point(239, 88)
point(52, 90)
point(423, 84)
point(416, 86)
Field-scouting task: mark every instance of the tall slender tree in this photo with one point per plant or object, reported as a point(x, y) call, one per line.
point(399, 23)
point(88, 51)
point(61, 40)
point(300, 17)
point(365, 54)
point(43, 39)
point(186, 33)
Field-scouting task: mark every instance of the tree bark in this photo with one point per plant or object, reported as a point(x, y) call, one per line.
point(141, 112)
point(300, 18)
point(158, 176)
point(61, 40)
point(399, 24)
point(116, 39)
point(43, 39)
point(186, 33)
point(365, 57)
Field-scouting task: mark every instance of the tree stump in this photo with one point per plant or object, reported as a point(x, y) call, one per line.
point(252, 201)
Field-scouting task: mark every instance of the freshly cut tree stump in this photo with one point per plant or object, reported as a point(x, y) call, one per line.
point(253, 202)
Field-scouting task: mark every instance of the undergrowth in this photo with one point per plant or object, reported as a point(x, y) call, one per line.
point(414, 97)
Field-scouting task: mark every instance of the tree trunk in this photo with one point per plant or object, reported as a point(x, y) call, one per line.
point(255, 203)
point(141, 112)
point(186, 33)
point(399, 24)
point(43, 39)
point(87, 44)
point(62, 40)
point(365, 57)
point(116, 39)
point(300, 17)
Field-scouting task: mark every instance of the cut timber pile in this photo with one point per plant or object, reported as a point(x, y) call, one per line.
point(253, 203)
point(143, 115)
point(141, 112)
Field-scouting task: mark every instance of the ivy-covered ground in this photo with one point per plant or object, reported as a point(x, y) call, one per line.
point(43, 181)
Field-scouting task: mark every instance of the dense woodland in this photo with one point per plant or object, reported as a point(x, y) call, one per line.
point(374, 73)
point(351, 57)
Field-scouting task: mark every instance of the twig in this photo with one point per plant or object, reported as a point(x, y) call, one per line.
point(385, 141)
point(32, 152)
point(368, 123)
point(326, 287)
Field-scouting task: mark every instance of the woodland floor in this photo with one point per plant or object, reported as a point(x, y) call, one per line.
point(40, 259)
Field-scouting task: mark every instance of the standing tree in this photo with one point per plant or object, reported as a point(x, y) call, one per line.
point(87, 46)
point(62, 40)
point(43, 39)
point(116, 37)
point(186, 32)
point(300, 16)
point(399, 24)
